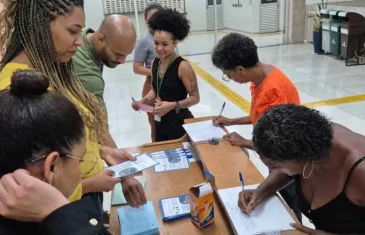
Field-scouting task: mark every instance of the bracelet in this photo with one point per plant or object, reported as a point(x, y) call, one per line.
point(177, 109)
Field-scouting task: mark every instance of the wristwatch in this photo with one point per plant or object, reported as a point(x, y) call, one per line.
point(177, 108)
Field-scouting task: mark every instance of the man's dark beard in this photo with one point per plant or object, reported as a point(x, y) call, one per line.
point(109, 64)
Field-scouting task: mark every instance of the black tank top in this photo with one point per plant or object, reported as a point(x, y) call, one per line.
point(338, 216)
point(172, 88)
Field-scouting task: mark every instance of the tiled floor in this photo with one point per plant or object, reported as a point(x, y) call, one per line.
point(317, 77)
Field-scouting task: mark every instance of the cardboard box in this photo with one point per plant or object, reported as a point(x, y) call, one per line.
point(202, 205)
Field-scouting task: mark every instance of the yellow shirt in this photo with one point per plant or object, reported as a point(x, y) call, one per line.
point(5, 81)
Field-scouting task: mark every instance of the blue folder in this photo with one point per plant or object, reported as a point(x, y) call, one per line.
point(138, 221)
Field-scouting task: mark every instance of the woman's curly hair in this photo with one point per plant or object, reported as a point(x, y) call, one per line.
point(234, 50)
point(170, 21)
point(293, 133)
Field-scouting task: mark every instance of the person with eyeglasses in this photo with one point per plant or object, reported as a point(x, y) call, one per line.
point(44, 35)
point(236, 56)
point(42, 133)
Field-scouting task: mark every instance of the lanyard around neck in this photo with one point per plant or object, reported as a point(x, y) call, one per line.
point(160, 79)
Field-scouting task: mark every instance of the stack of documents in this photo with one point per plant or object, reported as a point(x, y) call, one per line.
point(141, 221)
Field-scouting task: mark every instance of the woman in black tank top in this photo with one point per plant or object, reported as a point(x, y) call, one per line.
point(326, 161)
point(174, 83)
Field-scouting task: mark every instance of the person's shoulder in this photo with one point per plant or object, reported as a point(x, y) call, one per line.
point(86, 51)
point(279, 80)
point(145, 39)
point(85, 61)
point(184, 65)
point(356, 184)
point(278, 73)
point(7, 73)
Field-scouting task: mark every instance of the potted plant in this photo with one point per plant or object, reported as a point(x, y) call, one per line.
point(317, 35)
point(317, 28)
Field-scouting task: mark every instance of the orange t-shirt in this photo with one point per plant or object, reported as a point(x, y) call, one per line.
point(274, 90)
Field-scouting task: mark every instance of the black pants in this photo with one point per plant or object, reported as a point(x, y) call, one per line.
point(289, 194)
point(170, 127)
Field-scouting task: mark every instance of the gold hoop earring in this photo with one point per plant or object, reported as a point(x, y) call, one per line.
point(311, 171)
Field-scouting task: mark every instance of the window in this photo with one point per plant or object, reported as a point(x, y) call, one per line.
point(127, 6)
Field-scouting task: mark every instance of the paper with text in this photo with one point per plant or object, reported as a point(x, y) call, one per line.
point(269, 216)
point(171, 159)
point(127, 168)
point(203, 131)
point(175, 206)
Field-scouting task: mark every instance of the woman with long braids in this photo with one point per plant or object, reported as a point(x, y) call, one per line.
point(44, 35)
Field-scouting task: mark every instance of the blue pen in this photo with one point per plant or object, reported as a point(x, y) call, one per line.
point(135, 102)
point(223, 106)
point(242, 183)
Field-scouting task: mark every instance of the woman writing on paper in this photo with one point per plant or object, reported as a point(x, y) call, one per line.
point(174, 83)
point(325, 160)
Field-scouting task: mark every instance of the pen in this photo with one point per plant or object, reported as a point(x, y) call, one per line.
point(242, 183)
point(134, 101)
point(220, 114)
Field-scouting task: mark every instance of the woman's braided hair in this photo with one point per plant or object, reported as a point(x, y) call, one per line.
point(25, 26)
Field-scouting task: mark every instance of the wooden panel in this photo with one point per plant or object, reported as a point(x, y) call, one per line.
point(224, 161)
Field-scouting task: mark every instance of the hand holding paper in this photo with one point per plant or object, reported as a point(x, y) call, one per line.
point(127, 168)
point(145, 108)
point(139, 106)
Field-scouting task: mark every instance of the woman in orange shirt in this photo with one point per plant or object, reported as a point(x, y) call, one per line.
point(236, 55)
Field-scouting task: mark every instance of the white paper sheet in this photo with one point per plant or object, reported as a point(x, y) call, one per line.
point(203, 131)
point(127, 168)
point(268, 217)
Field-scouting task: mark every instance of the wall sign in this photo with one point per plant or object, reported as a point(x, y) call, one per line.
point(238, 4)
point(268, 1)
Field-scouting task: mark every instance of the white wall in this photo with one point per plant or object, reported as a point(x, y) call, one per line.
point(238, 18)
point(282, 15)
point(307, 2)
point(197, 14)
point(247, 18)
point(94, 13)
point(242, 19)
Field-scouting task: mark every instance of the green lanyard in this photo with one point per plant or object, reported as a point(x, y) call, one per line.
point(158, 74)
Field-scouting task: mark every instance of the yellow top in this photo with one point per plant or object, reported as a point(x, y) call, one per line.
point(5, 80)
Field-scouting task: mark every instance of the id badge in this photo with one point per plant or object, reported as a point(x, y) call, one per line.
point(157, 118)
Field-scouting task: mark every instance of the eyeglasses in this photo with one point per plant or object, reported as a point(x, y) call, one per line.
point(87, 164)
point(225, 78)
